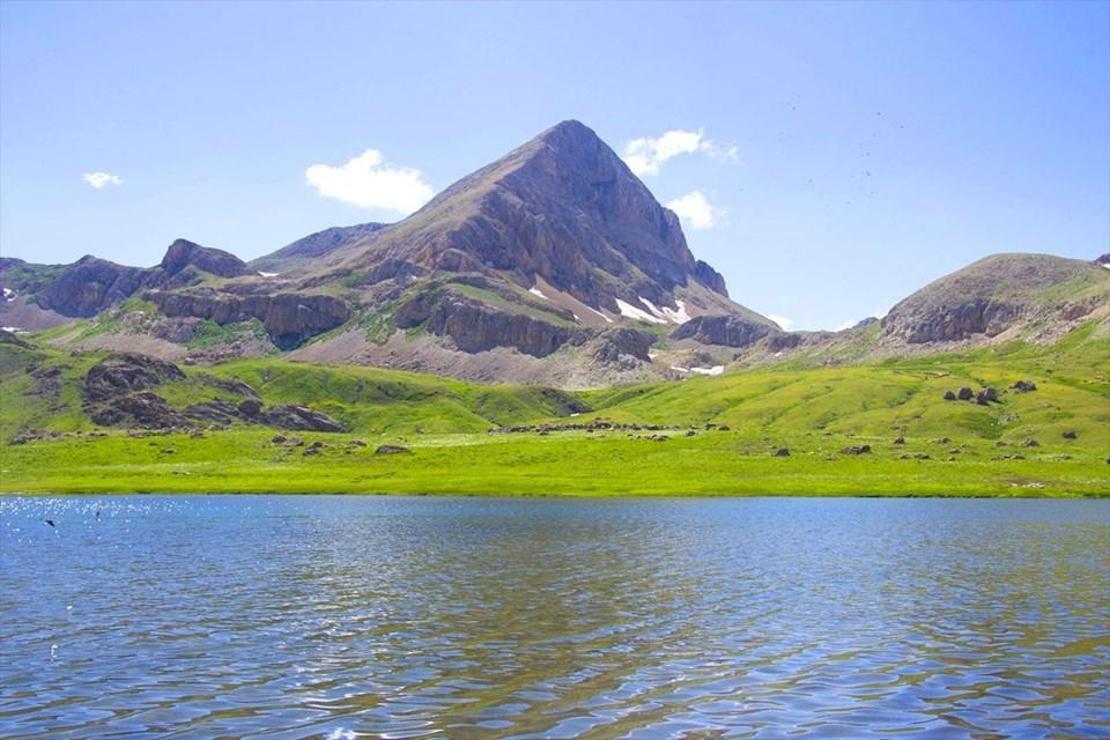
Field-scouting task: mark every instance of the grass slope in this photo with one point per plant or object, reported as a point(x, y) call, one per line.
point(815, 412)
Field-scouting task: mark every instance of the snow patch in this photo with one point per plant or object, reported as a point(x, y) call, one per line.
point(715, 370)
point(630, 311)
point(13, 329)
point(538, 293)
point(267, 274)
point(599, 313)
point(680, 316)
point(9, 295)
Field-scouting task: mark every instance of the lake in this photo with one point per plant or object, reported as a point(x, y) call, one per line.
point(339, 616)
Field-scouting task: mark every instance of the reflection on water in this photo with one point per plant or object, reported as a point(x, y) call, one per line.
point(466, 617)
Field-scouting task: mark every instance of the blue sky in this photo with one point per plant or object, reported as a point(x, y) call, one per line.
point(876, 146)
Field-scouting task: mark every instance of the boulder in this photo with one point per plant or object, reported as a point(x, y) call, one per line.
point(1024, 386)
point(965, 394)
point(949, 396)
point(782, 452)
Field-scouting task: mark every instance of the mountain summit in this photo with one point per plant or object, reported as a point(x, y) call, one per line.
point(562, 208)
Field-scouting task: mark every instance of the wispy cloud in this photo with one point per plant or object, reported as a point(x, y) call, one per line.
point(368, 181)
point(783, 322)
point(696, 211)
point(101, 180)
point(645, 156)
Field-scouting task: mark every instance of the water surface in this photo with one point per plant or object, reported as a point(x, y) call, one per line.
point(336, 616)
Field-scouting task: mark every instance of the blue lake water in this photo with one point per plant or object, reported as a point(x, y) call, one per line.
point(344, 616)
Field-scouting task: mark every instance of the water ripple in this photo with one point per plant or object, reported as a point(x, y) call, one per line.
point(409, 617)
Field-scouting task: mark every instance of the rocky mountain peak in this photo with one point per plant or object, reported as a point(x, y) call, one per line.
point(184, 253)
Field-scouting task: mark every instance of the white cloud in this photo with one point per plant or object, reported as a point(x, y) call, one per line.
point(783, 322)
point(368, 182)
point(101, 180)
point(646, 155)
point(695, 210)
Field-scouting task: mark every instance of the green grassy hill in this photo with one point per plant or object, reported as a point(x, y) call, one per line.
point(946, 447)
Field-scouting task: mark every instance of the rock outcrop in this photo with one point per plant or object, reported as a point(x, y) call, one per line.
point(476, 327)
point(996, 294)
point(124, 373)
point(726, 330)
point(183, 253)
point(90, 285)
point(289, 318)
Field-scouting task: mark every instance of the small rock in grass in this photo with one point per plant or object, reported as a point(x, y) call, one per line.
point(782, 452)
point(965, 394)
point(277, 439)
point(691, 433)
point(391, 450)
point(1024, 386)
point(900, 441)
point(724, 428)
point(1030, 443)
point(949, 396)
point(1071, 434)
point(856, 450)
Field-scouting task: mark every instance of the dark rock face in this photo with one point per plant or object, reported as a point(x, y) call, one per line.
point(183, 253)
point(289, 318)
point(954, 323)
point(710, 278)
point(144, 410)
point(90, 285)
point(477, 327)
point(1103, 259)
point(726, 330)
point(614, 344)
point(124, 373)
point(299, 418)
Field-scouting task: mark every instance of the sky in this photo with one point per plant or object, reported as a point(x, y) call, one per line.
point(827, 158)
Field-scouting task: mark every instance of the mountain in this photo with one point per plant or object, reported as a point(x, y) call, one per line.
point(308, 248)
point(553, 265)
point(1001, 295)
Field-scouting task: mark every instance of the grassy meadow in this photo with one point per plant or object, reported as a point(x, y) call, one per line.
point(721, 432)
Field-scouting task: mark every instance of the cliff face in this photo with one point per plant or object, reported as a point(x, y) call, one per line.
point(289, 318)
point(728, 331)
point(476, 327)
